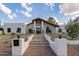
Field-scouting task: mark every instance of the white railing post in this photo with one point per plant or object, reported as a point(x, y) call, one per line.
point(16, 50)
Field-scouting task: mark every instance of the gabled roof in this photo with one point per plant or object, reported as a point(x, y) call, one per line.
point(44, 21)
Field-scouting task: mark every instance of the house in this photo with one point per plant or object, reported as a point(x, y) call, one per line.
point(37, 26)
point(1, 28)
point(40, 25)
point(13, 28)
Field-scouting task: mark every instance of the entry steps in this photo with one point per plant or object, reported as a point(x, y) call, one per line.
point(39, 43)
point(39, 47)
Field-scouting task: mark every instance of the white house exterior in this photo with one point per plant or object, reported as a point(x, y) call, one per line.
point(10, 28)
point(39, 26)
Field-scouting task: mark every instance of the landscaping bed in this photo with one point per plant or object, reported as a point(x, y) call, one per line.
point(73, 50)
point(6, 43)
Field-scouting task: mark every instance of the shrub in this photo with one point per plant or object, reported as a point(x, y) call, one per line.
point(73, 29)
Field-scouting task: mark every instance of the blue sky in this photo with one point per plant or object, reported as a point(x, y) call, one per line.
point(25, 13)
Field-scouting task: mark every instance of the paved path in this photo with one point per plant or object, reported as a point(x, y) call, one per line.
point(39, 47)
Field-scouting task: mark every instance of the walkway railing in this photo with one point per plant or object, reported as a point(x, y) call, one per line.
point(59, 46)
point(18, 48)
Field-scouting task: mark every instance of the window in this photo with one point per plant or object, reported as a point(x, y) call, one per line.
point(30, 31)
point(48, 30)
point(8, 30)
point(19, 30)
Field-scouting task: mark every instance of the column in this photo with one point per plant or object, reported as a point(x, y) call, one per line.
point(34, 27)
point(42, 27)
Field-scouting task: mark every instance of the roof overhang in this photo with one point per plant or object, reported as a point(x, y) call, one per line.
point(44, 21)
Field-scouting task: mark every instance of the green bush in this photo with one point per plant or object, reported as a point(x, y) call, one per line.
point(73, 29)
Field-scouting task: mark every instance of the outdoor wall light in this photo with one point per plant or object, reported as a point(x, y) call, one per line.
point(60, 32)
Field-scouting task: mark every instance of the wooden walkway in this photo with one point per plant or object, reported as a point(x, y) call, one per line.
point(39, 47)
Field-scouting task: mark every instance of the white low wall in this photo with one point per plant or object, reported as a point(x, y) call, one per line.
point(73, 42)
point(53, 46)
point(16, 50)
point(19, 50)
point(59, 46)
point(25, 45)
point(47, 38)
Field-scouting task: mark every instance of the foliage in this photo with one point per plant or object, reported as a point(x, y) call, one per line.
point(6, 42)
point(7, 35)
point(52, 20)
point(73, 29)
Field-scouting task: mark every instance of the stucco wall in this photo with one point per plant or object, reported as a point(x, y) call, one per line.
point(59, 46)
point(14, 27)
point(73, 42)
point(29, 27)
point(23, 45)
point(44, 27)
point(52, 27)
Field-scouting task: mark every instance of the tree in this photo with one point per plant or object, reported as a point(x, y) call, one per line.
point(52, 20)
point(72, 29)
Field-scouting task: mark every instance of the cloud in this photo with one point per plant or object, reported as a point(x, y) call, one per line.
point(74, 17)
point(51, 5)
point(69, 8)
point(28, 9)
point(7, 11)
point(60, 23)
point(26, 13)
point(12, 16)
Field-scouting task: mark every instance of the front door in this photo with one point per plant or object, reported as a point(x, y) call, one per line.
point(38, 30)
